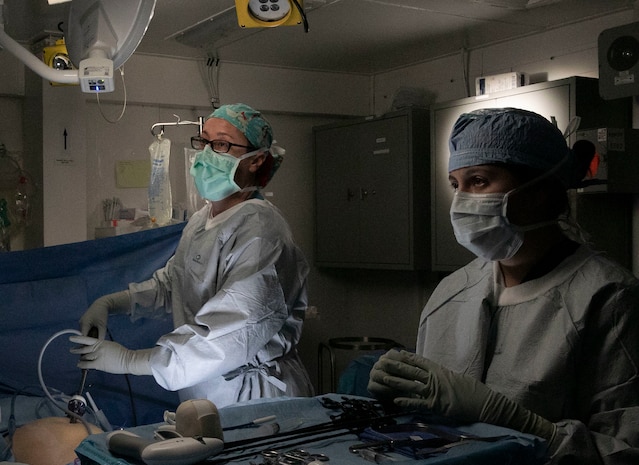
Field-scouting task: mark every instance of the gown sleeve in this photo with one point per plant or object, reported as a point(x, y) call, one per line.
point(608, 385)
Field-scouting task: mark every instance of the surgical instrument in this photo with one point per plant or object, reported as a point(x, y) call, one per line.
point(78, 404)
point(318, 432)
point(251, 424)
point(93, 332)
point(292, 457)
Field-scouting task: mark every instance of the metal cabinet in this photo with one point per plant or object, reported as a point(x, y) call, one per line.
point(557, 100)
point(372, 188)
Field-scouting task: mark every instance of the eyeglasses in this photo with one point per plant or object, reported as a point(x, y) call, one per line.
point(220, 146)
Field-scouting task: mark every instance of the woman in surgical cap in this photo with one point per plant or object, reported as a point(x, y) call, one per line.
point(540, 333)
point(236, 285)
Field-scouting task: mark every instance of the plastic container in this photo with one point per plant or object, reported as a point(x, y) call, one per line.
point(160, 201)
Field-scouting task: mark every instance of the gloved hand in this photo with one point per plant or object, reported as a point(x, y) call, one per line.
point(97, 314)
point(109, 356)
point(419, 383)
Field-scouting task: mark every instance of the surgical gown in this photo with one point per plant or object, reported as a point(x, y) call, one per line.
point(565, 346)
point(236, 288)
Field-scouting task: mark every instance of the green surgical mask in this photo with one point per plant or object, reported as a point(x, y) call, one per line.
point(214, 173)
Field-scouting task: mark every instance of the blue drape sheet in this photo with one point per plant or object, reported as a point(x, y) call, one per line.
point(46, 290)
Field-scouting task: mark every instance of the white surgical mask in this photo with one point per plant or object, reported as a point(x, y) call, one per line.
point(481, 225)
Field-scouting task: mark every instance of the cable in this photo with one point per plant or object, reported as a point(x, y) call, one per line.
point(209, 71)
point(97, 97)
point(43, 385)
point(302, 14)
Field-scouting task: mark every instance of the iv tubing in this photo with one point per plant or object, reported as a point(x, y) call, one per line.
point(44, 387)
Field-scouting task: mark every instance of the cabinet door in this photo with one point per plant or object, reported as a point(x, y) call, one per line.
point(384, 214)
point(364, 205)
point(337, 194)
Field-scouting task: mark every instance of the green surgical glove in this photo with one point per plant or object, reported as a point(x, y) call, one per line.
point(418, 383)
point(109, 356)
point(97, 314)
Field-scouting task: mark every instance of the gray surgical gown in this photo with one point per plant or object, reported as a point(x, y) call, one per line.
point(236, 288)
point(565, 346)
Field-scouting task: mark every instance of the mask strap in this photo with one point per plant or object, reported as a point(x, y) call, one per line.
point(533, 181)
point(525, 185)
point(249, 155)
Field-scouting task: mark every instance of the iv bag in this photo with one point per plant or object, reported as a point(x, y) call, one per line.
point(160, 201)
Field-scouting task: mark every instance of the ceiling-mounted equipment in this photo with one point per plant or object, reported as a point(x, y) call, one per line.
point(619, 61)
point(269, 13)
point(57, 57)
point(221, 28)
point(101, 36)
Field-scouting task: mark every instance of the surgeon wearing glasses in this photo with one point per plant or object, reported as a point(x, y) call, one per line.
point(540, 333)
point(235, 287)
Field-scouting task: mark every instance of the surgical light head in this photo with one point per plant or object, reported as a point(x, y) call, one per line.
point(101, 36)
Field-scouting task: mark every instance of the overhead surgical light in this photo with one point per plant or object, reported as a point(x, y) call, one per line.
point(269, 13)
point(101, 36)
point(221, 28)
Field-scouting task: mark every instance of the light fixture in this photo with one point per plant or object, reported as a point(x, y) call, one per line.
point(239, 21)
point(269, 13)
point(57, 57)
point(102, 35)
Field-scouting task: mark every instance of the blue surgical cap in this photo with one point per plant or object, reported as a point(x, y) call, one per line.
point(249, 121)
point(509, 136)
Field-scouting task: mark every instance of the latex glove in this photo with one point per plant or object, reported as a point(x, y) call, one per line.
point(97, 314)
point(422, 384)
point(109, 356)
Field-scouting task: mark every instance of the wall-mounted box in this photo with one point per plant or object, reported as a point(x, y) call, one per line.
point(616, 166)
point(485, 85)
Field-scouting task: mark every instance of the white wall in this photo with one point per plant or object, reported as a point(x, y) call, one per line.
point(556, 54)
point(79, 177)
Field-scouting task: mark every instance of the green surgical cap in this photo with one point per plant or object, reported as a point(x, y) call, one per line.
point(509, 136)
point(249, 121)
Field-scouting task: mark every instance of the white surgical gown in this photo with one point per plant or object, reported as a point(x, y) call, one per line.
point(565, 346)
point(237, 291)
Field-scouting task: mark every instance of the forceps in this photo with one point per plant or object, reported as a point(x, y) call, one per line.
point(293, 457)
